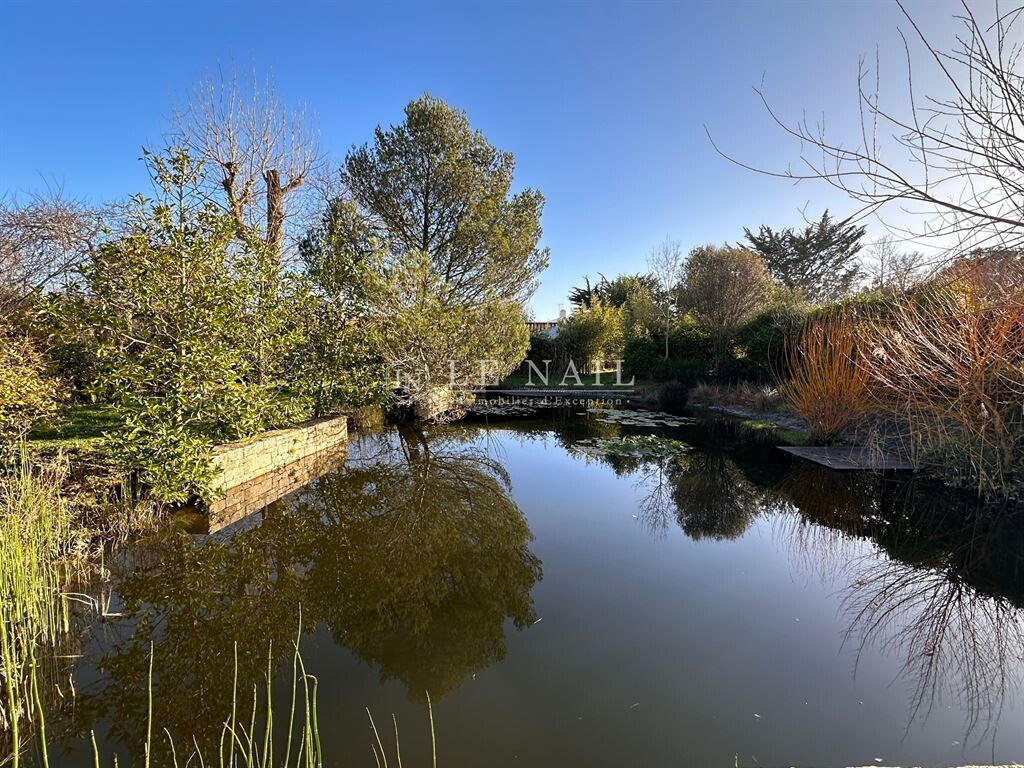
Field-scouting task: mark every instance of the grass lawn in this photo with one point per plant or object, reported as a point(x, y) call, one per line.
point(787, 436)
point(78, 427)
point(519, 381)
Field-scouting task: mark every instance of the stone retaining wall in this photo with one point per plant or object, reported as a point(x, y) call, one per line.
point(248, 459)
point(246, 498)
point(258, 471)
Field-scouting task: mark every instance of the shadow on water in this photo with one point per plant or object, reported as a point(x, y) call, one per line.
point(415, 557)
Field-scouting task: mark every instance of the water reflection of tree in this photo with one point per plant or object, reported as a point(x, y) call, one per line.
point(948, 598)
point(712, 497)
point(435, 552)
point(413, 558)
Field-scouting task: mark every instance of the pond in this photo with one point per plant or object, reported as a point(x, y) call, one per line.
point(569, 598)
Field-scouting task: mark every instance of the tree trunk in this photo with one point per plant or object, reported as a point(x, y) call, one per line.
point(275, 212)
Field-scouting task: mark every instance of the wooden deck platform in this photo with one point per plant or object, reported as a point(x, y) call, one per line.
point(849, 457)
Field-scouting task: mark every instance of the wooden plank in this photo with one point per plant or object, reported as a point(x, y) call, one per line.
point(849, 457)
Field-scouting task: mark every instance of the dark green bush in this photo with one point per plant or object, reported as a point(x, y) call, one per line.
point(62, 322)
point(541, 348)
point(686, 371)
point(640, 356)
point(672, 396)
point(688, 341)
point(762, 342)
point(734, 369)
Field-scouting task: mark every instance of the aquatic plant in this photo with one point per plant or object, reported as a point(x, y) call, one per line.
point(638, 418)
point(633, 446)
point(247, 742)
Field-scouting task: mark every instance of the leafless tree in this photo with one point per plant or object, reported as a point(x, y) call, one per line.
point(892, 269)
point(666, 263)
point(954, 158)
point(258, 152)
point(42, 239)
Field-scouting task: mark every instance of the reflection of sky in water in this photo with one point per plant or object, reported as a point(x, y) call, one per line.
point(571, 611)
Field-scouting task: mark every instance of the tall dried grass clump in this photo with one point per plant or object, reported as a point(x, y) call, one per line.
point(948, 363)
point(824, 382)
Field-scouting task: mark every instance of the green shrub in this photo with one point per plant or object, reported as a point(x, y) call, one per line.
point(639, 357)
point(689, 341)
point(763, 344)
point(337, 363)
point(62, 322)
point(27, 392)
point(597, 333)
point(193, 335)
point(541, 348)
point(686, 371)
point(672, 396)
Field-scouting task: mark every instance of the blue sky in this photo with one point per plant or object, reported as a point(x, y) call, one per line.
point(603, 104)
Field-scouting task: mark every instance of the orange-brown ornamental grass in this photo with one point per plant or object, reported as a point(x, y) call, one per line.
point(948, 363)
point(824, 383)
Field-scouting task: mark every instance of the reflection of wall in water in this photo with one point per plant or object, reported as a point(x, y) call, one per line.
point(252, 496)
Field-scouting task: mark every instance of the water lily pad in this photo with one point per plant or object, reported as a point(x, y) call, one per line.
point(633, 446)
point(638, 418)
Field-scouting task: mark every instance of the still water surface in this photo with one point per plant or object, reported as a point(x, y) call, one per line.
point(562, 609)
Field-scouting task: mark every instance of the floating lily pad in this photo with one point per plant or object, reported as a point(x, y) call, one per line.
point(495, 409)
point(639, 418)
point(634, 446)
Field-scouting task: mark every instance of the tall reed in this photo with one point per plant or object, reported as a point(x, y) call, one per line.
point(35, 541)
point(242, 746)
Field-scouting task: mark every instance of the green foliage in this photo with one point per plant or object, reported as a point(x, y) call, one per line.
point(435, 253)
point(820, 261)
point(435, 186)
point(337, 364)
point(429, 342)
point(689, 357)
point(597, 333)
point(338, 252)
point(763, 340)
point(192, 330)
point(27, 392)
point(672, 396)
point(62, 322)
point(615, 292)
point(723, 288)
point(686, 371)
point(639, 356)
point(688, 340)
point(542, 347)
